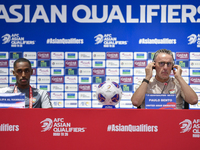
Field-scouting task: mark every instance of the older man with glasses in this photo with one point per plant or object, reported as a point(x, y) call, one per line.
point(162, 83)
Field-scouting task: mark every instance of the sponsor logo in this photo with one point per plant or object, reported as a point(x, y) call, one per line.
point(94, 87)
point(140, 55)
point(85, 71)
point(150, 55)
point(195, 64)
point(57, 55)
point(126, 95)
point(183, 63)
point(34, 71)
point(70, 79)
point(57, 104)
point(84, 79)
point(126, 55)
point(7, 127)
point(140, 63)
point(71, 55)
point(65, 41)
point(84, 63)
point(126, 88)
point(15, 40)
point(157, 41)
point(84, 87)
point(3, 63)
point(125, 71)
point(84, 55)
point(108, 40)
point(98, 71)
point(195, 72)
point(57, 95)
point(182, 55)
point(84, 95)
point(57, 87)
point(112, 55)
point(185, 72)
point(3, 55)
point(70, 96)
point(187, 125)
point(43, 79)
point(126, 79)
point(98, 79)
point(195, 55)
point(59, 127)
point(196, 88)
point(195, 80)
point(112, 71)
point(71, 63)
point(43, 55)
point(193, 38)
point(111, 78)
point(57, 63)
point(126, 63)
point(98, 63)
point(3, 79)
point(112, 63)
point(71, 104)
point(71, 87)
point(132, 128)
point(43, 87)
point(30, 55)
point(99, 55)
point(43, 71)
point(71, 71)
point(139, 71)
point(57, 79)
point(11, 63)
point(57, 71)
point(85, 104)
point(15, 55)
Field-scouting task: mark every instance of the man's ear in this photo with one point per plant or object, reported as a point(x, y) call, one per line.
point(14, 72)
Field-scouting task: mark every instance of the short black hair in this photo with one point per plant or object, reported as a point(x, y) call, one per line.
point(21, 60)
point(163, 51)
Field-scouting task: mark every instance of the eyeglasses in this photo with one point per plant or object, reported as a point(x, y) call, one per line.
point(169, 64)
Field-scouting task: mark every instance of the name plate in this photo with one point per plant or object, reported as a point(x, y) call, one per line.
point(12, 100)
point(160, 101)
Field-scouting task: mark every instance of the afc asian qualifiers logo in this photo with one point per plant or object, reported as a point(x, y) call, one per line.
point(59, 127)
point(46, 124)
point(108, 40)
point(187, 125)
point(193, 38)
point(16, 40)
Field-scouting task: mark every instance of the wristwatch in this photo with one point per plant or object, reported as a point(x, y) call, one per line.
point(145, 80)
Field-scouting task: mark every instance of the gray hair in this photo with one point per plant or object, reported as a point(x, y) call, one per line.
point(163, 51)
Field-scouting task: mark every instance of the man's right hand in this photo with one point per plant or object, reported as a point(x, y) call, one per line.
point(149, 70)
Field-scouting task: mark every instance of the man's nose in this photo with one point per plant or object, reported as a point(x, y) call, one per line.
point(23, 74)
point(165, 66)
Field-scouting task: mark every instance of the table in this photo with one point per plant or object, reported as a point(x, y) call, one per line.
point(99, 129)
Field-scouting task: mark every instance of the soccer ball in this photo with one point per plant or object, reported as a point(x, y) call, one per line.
point(109, 93)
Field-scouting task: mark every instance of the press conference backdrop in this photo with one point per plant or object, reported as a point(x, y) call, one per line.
point(75, 45)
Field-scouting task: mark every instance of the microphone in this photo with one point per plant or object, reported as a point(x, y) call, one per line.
point(165, 84)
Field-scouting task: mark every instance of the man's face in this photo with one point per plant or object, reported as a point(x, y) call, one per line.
point(163, 63)
point(23, 72)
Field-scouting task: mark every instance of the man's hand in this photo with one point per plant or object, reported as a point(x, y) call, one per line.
point(149, 70)
point(178, 71)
